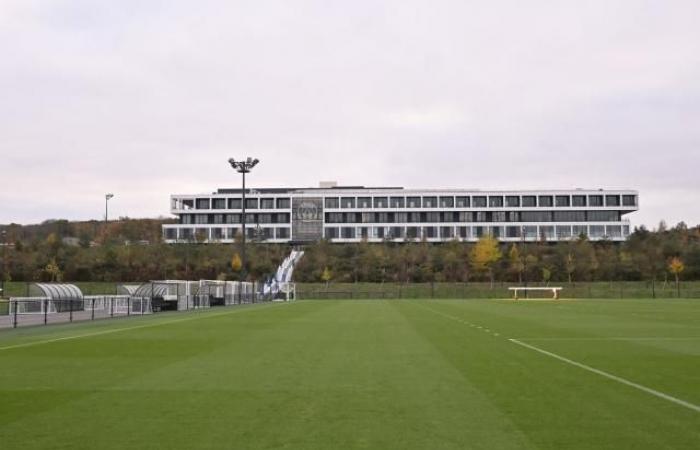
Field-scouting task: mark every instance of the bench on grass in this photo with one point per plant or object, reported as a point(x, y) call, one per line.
point(553, 290)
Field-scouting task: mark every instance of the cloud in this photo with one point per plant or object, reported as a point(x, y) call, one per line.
point(150, 98)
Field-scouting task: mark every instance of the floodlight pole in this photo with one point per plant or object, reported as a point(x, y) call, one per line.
point(107, 199)
point(243, 167)
point(4, 262)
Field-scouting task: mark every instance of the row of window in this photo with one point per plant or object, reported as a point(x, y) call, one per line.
point(201, 234)
point(252, 218)
point(473, 216)
point(475, 201)
point(491, 201)
point(436, 232)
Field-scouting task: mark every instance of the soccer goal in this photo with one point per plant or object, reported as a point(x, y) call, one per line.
point(32, 305)
point(542, 292)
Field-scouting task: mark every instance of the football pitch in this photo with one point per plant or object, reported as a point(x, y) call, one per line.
point(396, 374)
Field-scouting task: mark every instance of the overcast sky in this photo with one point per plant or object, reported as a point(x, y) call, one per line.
point(150, 98)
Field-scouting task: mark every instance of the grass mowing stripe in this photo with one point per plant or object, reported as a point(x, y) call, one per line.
point(610, 376)
point(116, 330)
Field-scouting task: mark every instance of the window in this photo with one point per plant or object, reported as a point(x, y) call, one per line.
point(481, 216)
point(264, 218)
point(614, 231)
point(413, 202)
point(513, 216)
point(267, 203)
point(529, 201)
point(579, 230)
point(612, 200)
point(448, 216)
point(562, 201)
point(479, 202)
point(381, 202)
point(283, 218)
point(364, 202)
point(414, 217)
point(596, 231)
point(202, 203)
point(603, 216)
point(283, 233)
point(569, 216)
point(397, 202)
point(546, 201)
point(563, 232)
point(396, 233)
point(513, 232)
point(595, 200)
point(547, 232)
point(382, 217)
point(347, 233)
point(432, 217)
point(479, 231)
point(283, 203)
point(218, 218)
point(412, 232)
point(217, 233)
point(529, 232)
point(465, 232)
point(496, 202)
point(251, 203)
point(401, 217)
point(201, 218)
point(334, 217)
point(347, 202)
point(367, 217)
point(332, 202)
point(186, 218)
point(578, 200)
point(364, 232)
point(352, 217)
point(430, 232)
point(512, 201)
point(536, 216)
point(447, 202)
point(234, 203)
point(629, 200)
point(219, 203)
point(430, 202)
point(462, 202)
point(465, 216)
point(187, 204)
point(331, 233)
point(447, 232)
point(498, 216)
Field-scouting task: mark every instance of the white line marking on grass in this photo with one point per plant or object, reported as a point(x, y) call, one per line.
point(612, 338)
point(610, 376)
point(116, 330)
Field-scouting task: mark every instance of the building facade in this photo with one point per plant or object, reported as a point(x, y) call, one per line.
point(354, 213)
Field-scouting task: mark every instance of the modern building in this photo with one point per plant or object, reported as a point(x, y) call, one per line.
point(353, 213)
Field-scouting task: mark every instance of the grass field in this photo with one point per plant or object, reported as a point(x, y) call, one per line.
point(429, 374)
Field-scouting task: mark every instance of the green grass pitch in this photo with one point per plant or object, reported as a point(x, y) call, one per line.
point(402, 374)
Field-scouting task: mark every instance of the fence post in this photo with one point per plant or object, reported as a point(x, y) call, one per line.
point(128, 306)
point(70, 307)
point(111, 307)
point(14, 319)
point(92, 313)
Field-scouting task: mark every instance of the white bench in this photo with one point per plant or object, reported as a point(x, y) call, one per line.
point(554, 290)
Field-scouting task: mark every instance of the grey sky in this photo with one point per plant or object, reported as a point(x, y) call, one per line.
point(148, 98)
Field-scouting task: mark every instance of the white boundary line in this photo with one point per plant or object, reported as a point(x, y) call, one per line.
point(660, 338)
point(116, 330)
point(621, 380)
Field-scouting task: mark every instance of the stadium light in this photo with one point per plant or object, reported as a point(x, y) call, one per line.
point(108, 197)
point(243, 167)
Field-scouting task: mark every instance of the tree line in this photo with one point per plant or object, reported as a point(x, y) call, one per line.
point(132, 250)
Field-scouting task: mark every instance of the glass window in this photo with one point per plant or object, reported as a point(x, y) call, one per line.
point(465, 232)
point(513, 216)
point(397, 202)
point(202, 203)
point(546, 232)
point(430, 232)
point(334, 217)
point(545, 201)
point(465, 216)
point(282, 218)
point(347, 232)
point(614, 231)
point(498, 216)
point(233, 218)
point(595, 200)
point(382, 217)
point(267, 203)
point(186, 218)
point(413, 202)
point(513, 232)
point(563, 231)
point(218, 218)
point(234, 203)
point(569, 216)
point(347, 202)
point(251, 203)
point(603, 216)
point(364, 202)
point(430, 202)
point(219, 203)
point(629, 200)
point(512, 201)
point(352, 217)
point(529, 201)
point(563, 201)
point(282, 233)
point(479, 202)
point(462, 202)
point(367, 217)
point(578, 200)
point(529, 232)
point(481, 216)
point(412, 232)
point(579, 230)
point(447, 202)
point(612, 200)
point(496, 202)
point(401, 217)
point(332, 202)
point(381, 202)
point(596, 231)
point(396, 233)
point(536, 216)
point(447, 232)
point(283, 203)
point(432, 217)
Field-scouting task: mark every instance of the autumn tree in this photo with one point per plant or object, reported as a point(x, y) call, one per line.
point(484, 256)
point(236, 263)
point(326, 276)
point(676, 266)
point(516, 262)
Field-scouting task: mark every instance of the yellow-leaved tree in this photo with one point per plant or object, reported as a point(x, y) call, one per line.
point(326, 276)
point(236, 263)
point(676, 266)
point(484, 256)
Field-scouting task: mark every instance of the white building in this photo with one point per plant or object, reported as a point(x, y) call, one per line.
point(354, 213)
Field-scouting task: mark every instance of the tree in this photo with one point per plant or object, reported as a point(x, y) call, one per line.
point(517, 265)
point(676, 266)
point(236, 263)
point(484, 255)
point(53, 271)
point(326, 276)
point(546, 275)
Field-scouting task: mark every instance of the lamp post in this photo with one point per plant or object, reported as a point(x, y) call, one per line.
point(108, 197)
point(4, 262)
point(243, 167)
